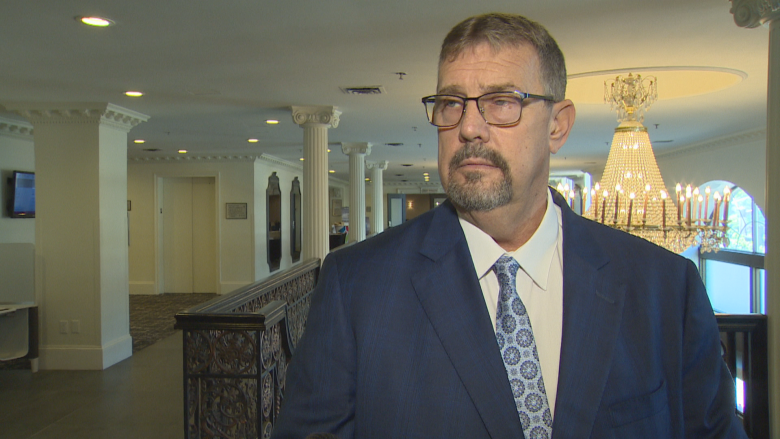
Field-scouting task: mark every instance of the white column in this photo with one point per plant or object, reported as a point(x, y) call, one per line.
point(377, 179)
point(81, 232)
point(357, 153)
point(750, 14)
point(315, 122)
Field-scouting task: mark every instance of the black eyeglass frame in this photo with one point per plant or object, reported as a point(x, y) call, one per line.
point(519, 94)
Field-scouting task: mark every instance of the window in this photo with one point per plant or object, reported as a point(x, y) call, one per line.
point(734, 276)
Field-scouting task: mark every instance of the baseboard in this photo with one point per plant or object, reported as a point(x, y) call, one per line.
point(143, 288)
point(85, 357)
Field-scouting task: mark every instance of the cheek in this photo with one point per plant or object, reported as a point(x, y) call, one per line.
point(443, 161)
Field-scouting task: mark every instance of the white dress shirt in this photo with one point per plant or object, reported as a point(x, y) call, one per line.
point(539, 284)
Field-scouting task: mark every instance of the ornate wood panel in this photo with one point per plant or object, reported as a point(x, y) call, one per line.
point(236, 351)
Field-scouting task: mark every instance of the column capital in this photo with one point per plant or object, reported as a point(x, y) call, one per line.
point(320, 115)
point(350, 148)
point(77, 113)
point(752, 13)
point(382, 166)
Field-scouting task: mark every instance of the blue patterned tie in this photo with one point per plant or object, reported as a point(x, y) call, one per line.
point(518, 349)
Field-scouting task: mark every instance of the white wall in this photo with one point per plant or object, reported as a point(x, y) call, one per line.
point(235, 244)
point(740, 159)
point(17, 153)
point(242, 255)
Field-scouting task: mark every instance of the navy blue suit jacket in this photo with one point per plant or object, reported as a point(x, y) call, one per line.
point(399, 343)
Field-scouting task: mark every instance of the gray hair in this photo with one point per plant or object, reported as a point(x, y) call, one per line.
point(502, 30)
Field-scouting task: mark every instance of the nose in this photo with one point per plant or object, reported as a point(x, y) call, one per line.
point(473, 125)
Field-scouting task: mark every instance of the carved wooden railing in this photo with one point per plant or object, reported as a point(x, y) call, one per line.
point(744, 341)
point(236, 351)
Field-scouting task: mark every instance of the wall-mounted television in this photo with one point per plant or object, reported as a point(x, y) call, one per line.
point(22, 202)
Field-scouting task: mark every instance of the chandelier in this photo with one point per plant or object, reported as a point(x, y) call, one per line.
point(632, 195)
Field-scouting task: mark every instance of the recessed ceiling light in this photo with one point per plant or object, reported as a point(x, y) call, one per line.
point(134, 94)
point(139, 141)
point(182, 151)
point(368, 179)
point(272, 121)
point(96, 21)
point(332, 171)
point(252, 140)
point(425, 174)
point(328, 149)
point(301, 158)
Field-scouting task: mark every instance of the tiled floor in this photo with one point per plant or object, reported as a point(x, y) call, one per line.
point(140, 397)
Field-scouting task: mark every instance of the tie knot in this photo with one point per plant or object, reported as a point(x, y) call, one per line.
point(506, 266)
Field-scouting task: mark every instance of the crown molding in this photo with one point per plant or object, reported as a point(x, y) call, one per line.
point(77, 112)
point(332, 179)
point(273, 160)
point(188, 159)
point(16, 129)
point(422, 188)
point(412, 183)
point(716, 144)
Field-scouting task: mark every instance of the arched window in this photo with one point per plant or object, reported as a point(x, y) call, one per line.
point(734, 276)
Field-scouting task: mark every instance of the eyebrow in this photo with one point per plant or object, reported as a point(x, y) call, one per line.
point(456, 90)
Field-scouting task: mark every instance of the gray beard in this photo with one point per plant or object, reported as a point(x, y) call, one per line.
point(469, 195)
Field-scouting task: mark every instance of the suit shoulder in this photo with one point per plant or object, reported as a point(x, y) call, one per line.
point(625, 246)
point(410, 233)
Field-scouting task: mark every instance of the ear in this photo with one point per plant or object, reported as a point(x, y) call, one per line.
point(560, 124)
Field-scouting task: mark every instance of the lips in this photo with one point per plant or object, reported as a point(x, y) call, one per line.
point(476, 162)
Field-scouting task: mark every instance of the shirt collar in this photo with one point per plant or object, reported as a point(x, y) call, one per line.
point(535, 256)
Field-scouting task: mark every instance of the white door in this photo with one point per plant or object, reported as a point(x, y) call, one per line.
point(189, 235)
point(396, 209)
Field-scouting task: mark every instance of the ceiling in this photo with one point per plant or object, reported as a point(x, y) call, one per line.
point(214, 71)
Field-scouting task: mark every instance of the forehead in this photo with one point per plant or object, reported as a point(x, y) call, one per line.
point(481, 68)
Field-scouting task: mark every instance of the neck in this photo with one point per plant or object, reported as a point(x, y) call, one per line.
point(511, 225)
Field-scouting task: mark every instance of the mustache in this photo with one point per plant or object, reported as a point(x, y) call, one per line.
point(480, 151)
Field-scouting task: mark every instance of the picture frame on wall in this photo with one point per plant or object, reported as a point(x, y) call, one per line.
point(235, 211)
point(335, 207)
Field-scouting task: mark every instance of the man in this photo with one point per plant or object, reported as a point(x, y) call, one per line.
point(502, 314)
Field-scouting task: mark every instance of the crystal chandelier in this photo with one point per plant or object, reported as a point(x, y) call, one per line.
point(632, 195)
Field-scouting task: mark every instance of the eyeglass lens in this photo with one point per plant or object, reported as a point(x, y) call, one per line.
point(496, 109)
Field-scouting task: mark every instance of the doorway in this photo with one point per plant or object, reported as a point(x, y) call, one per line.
point(396, 209)
point(188, 245)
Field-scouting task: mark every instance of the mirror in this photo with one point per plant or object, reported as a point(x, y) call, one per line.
point(295, 220)
point(273, 210)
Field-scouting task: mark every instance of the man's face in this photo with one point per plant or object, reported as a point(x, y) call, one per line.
point(483, 167)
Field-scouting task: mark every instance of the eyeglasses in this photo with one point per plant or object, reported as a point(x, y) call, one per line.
point(499, 109)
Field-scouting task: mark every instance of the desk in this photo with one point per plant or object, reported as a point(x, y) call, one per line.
point(19, 332)
point(337, 240)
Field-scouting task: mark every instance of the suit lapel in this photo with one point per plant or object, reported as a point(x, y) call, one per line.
point(592, 311)
point(449, 292)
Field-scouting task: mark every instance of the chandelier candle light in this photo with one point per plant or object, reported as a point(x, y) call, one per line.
point(638, 204)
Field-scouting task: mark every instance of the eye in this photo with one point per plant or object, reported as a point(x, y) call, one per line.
point(503, 100)
point(449, 102)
